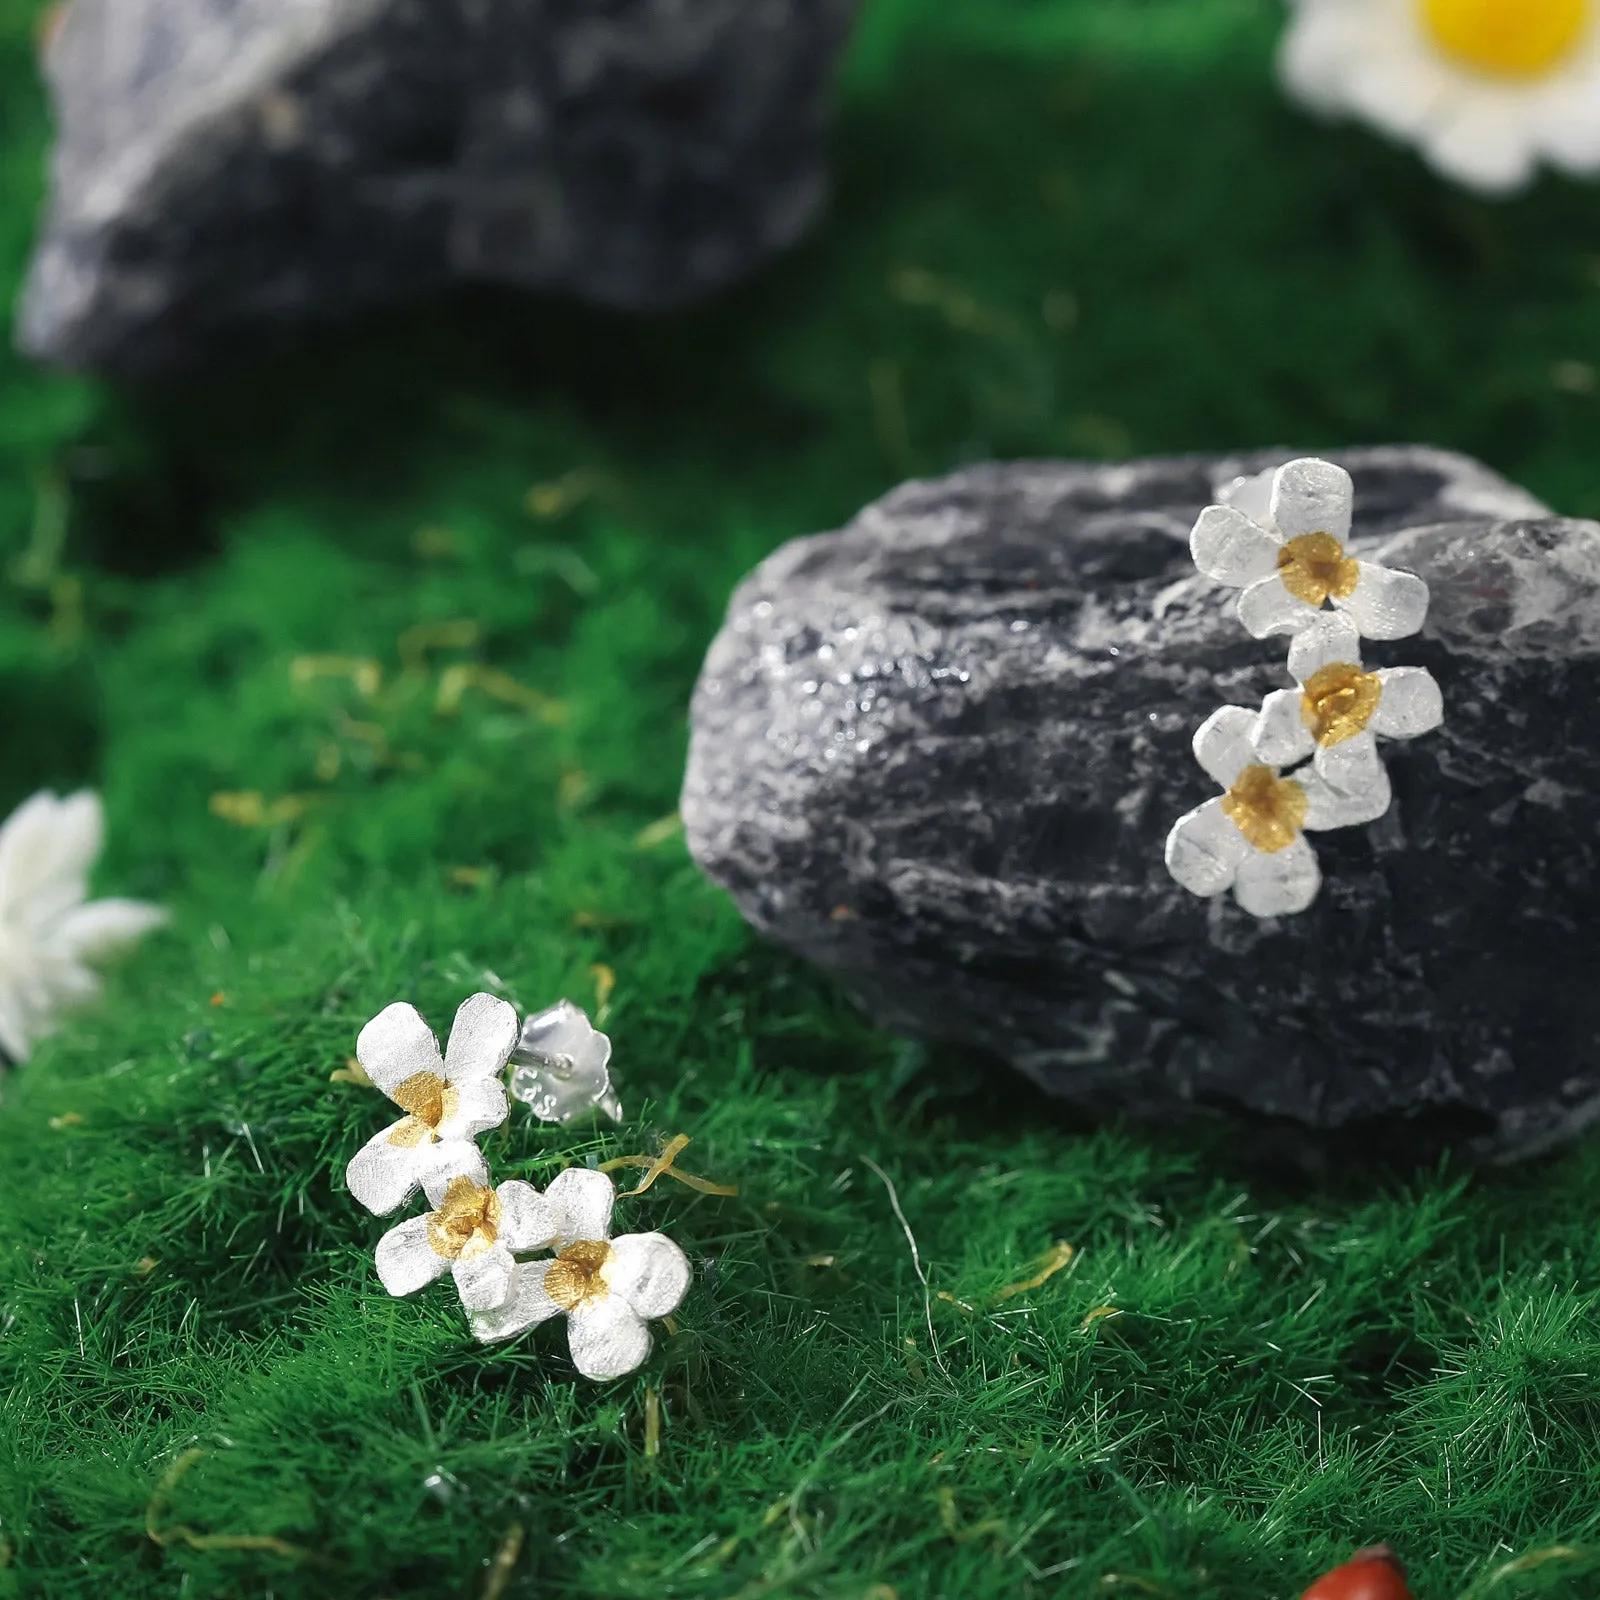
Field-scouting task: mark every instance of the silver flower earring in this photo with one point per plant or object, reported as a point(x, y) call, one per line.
point(1308, 758)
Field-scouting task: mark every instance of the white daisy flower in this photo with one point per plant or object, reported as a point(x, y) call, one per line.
point(1486, 88)
point(471, 1232)
point(1252, 839)
point(1338, 710)
point(50, 935)
point(448, 1101)
point(609, 1288)
point(563, 1066)
point(1289, 557)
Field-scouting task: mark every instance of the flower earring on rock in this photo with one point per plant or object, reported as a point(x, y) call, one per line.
point(563, 1066)
point(1308, 758)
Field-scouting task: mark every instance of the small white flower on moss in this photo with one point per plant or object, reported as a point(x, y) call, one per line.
point(472, 1232)
point(609, 1289)
point(1289, 557)
point(1335, 715)
point(563, 1066)
point(1252, 838)
point(1487, 89)
point(448, 1100)
point(51, 934)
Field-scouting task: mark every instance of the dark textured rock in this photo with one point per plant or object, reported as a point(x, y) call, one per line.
point(938, 753)
point(228, 164)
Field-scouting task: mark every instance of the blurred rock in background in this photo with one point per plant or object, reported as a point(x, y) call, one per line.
point(234, 167)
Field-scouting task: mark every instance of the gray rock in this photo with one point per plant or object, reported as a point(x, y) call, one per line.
point(938, 752)
point(225, 165)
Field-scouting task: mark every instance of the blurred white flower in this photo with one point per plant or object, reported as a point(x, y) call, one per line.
point(448, 1100)
point(1487, 89)
point(1339, 709)
point(1252, 839)
point(563, 1066)
point(50, 936)
point(610, 1289)
point(1281, 540)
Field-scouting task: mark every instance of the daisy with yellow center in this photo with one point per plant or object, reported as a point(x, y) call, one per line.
point(1339, 709)
point(608, 1289)
point(1486, 88)
point(1282, 540)
point(1251, 839)
point(472, 1232)
point(448, 1100)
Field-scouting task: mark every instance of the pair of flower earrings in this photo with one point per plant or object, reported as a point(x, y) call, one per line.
point(1308, 758)
point(518, 1257)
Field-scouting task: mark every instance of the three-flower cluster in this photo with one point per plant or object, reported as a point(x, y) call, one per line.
point(1308, 758)
point(484, 1234)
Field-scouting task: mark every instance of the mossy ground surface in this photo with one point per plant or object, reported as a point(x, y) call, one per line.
point(1062, 227)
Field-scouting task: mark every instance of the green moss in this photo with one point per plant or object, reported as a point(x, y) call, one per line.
point(1062, 226)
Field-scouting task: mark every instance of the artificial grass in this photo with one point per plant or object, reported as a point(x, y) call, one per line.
point(1071, 226)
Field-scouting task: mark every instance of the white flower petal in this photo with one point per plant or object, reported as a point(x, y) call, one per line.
point(1386, 604)
point(1280, 884)
point(106, 928)
point(484, 1281)
point(1204, 850)
point(1486, 144)
point(608, 1338)
point(480, 1106)
point(383, 1176)
point(649, 1271)
point(1334, 808)
point(1352, 766)
point(397, 1044)
point(14, 1025)
point(1222, 744)
point(1331, 637)
point(405, 1259)
point(481, 1039)
point(527, 1220)
point(448, 1160)
point(1282, 738)
point(1253, 496)
point(1266, 608)
point(581, 1200)
point(526, 1305)
point(1230, 548)
point(47, 846)
point(1312, 496)
point(1411, 703)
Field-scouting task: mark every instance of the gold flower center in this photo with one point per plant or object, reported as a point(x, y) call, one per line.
point(467, 1221)
point(1268, 810)
point(429, 1100)
point(1507, 38)
point(576, 1274)
point(1314, 566)
point(1338, 702)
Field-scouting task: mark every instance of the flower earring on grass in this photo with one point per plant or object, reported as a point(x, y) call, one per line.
point(448, 1100)
point(563, 1066)
point(472, 1232)
point(609, 1289)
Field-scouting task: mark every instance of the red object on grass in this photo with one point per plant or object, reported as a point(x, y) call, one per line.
point(1374, 1574)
